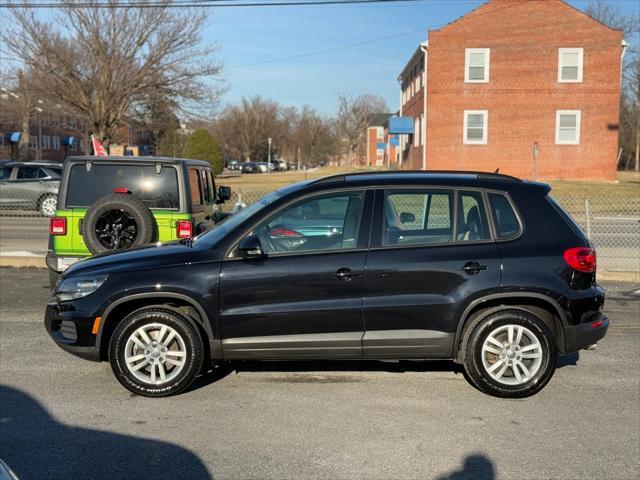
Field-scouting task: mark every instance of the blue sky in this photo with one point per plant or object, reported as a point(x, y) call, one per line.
point(252, 35)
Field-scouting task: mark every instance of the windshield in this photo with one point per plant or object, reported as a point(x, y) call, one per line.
point(214, 234)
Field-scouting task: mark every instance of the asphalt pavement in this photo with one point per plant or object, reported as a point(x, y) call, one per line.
point(65, 418)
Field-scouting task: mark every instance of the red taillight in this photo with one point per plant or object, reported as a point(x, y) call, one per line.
point(185, 229)
point(121, 190)
point(58, 226)
point(582, 259)
point(284, 232)
point(597, 324)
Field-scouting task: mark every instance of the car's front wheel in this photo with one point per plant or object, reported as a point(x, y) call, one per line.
point(510, 353)
point(156, 352)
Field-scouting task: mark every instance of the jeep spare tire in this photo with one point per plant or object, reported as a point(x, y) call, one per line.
point(117, 222)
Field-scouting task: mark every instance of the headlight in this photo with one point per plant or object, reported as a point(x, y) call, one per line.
point(74, 288)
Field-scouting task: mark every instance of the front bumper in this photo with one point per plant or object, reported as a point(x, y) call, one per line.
point(71, 329)
point(581, 336)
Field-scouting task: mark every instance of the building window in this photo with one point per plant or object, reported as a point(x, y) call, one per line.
point(33, 141)
point(56, 142)
point(476, 65)
point(568, 127)
point(570, 61)
point(46, 142)
point(380, 132)
point(475, 127)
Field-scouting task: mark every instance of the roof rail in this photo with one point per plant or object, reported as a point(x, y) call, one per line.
point(479, 175)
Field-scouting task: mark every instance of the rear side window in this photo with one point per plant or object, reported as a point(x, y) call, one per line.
point(28, 173)
point(156, 190)
point(196, 190)
point(505, 219)
point(417, 217)
point(472, 221)
point(5, 173)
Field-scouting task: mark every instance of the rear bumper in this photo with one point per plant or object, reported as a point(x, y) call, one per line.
point(580, 336)
point(59, 263)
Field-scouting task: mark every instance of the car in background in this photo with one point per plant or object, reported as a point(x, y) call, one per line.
point(254, 167)
point(30, 186)
point(116, 203)
point(234, 165)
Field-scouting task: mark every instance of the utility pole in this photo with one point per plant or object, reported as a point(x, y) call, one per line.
point(39, 133)
point(269, 157)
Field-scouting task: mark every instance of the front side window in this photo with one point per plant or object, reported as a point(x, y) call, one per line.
point(476, 68)
point(417, 217)
point(568, 127)
point(475, 127)
point(570, 65)
point(504, 218)
point(156, 190)
point(5, 173)
point(330, 222)
point(472, 222)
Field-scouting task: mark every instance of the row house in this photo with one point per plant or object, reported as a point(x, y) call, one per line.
point(530, 88)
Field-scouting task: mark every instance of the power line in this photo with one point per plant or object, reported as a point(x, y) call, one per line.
point(197, 3)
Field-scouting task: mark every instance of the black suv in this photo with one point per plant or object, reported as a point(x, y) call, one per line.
point(483, 269)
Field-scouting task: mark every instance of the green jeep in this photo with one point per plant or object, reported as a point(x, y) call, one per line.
point(114, 203)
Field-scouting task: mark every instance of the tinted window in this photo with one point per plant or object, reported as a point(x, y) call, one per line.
point(52, 172)
point(27, 173)
point(156, 190)
point(417, 217)
point(212, 187)
point(472, 220)
point(194, 183)
point(5, 173)
point(327, 223)
point(503, 216)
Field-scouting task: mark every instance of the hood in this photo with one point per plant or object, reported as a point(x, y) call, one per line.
point(156, 255)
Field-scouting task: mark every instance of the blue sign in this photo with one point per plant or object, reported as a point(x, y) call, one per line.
point(381, 146)
point(395, 142)
point(70, 141)
point(400, 125)
point(14, 137)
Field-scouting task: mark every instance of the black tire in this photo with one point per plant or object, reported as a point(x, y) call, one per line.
point(474, 360)
point(132, 206)
point(53, 278)
point(162, 315)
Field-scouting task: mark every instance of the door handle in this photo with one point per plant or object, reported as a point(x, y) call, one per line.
point(473, 268)
point(344, 274)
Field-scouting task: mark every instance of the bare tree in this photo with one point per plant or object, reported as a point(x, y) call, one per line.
point(101, 62)
point(354, 113)
point(614, 17)
point(315, 137)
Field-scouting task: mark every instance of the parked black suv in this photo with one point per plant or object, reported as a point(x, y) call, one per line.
point(483, 269)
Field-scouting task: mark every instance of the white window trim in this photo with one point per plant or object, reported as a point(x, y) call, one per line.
point(580, 52)
point(578, 114)
point(485, 127)
point(487, 63)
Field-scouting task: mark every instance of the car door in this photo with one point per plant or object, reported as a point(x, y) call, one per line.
point(26, 187)
point(6, 185)
point(304, 299)
point(431, 251)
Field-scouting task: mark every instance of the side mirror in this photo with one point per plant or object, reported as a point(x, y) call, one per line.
point(250, 248)
point(224, 194)
point(406, 217)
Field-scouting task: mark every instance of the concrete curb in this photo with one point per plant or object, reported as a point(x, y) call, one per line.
point(37, 261)
point(23, 262)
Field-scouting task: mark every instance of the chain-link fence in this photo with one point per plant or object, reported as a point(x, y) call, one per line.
point(611, 222)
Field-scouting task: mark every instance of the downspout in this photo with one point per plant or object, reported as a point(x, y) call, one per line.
point(400, 136)
point(424, 46)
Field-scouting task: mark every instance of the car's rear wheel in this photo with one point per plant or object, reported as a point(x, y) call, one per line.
point(156, 352)
point(510, 353)
point(48, 205)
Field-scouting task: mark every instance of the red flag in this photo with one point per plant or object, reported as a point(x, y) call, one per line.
point(98, 149)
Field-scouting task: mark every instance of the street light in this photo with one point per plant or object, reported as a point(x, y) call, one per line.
point(269, 157)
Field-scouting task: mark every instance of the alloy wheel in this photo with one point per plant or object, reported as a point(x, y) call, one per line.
point(155, 353)
point(512, 354)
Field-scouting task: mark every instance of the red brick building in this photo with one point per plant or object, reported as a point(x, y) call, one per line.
point(528, 87)
point(382, 148)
